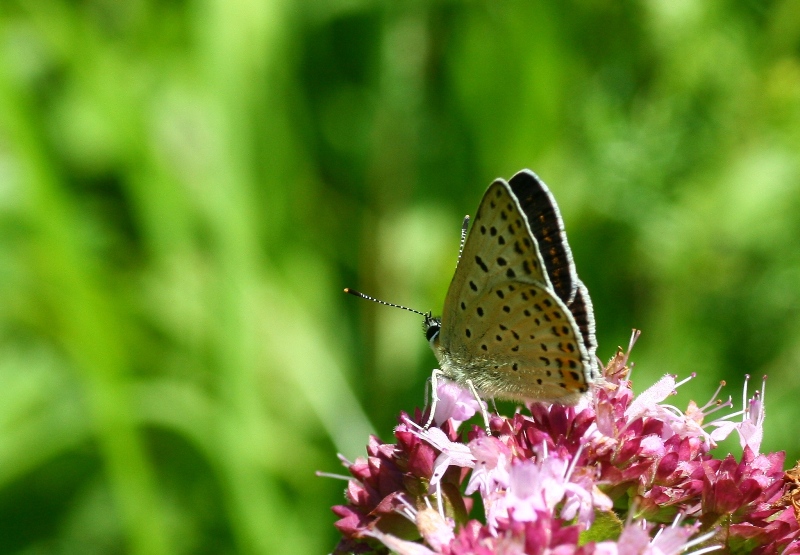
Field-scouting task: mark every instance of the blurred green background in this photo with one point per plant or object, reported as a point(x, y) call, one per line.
point(187, 186)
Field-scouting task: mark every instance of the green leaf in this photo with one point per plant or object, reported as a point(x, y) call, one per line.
point(607, 526)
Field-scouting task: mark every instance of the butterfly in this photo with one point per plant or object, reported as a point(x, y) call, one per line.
point(517, 322)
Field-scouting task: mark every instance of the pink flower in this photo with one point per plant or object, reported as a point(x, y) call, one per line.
point(451, 453)
point(545, 477)
point(751, 427)
point(636, 540)
point(454, 402)
point(491, 470)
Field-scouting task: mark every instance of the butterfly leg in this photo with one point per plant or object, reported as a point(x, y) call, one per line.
point(484, 408)
point(434, 384)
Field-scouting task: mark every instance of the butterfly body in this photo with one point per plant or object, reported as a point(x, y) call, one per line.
point(517, 322)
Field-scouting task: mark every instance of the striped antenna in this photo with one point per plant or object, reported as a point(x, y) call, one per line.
point(363, 296)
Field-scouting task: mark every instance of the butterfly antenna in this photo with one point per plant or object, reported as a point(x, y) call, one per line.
point(464, 227)
point(363, 296)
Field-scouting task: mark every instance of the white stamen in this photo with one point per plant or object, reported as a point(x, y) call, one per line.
point(726, 404)
point(729, 416)
point(410, 511)
point(700, 539)
point(678, 412)
point(335, 476)
point(573, 462)
point(705, 550)
point(763, 413)
point(692, 376)
point(745, 416)
point(634, 337)
point(713, 399)
point(439, 503)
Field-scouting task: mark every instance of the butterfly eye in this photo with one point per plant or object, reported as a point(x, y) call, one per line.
point(432, 327)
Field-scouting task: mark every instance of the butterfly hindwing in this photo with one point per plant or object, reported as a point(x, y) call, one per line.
point(583, 312)
point(521, 342)
point(539, 205)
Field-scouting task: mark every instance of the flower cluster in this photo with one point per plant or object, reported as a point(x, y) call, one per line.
point(616, 475)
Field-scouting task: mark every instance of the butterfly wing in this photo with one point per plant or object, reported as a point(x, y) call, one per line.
point(503, 327)
point(547, 226)
point(583, 312)
point(499, 248)
point(544, 217)
point(519, 341)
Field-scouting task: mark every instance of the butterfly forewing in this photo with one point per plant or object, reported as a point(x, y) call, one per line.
point(499, 249)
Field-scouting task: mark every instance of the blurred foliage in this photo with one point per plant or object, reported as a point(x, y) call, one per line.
point(185, 188)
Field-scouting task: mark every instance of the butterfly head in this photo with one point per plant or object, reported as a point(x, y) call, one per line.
point(432, 326)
